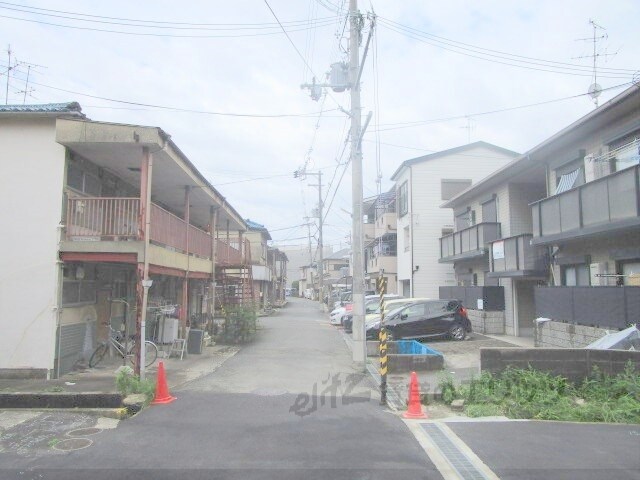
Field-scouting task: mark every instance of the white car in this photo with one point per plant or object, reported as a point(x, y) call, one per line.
point(336, 315)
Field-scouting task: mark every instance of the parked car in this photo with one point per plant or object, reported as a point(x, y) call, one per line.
point(335, 317)
point(424, 319)
point(372, 308)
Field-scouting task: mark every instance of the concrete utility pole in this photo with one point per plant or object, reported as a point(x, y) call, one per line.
point(320, 245)
point(357, 245)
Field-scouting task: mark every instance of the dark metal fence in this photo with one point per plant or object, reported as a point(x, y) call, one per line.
point(492, 297)
point(607, 307)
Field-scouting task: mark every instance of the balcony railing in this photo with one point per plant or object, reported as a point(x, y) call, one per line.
point(599, 206)
point(105, 218)
point(112, 219)
point(469, 242)
point(605, 307)
point(516, 254)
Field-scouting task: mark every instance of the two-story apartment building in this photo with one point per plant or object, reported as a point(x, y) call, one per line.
point(261, 272)
point(92, 210)
point(381, 251)
point(490, 247)
point(565, 236)
point(589, 223)
point(422, 184)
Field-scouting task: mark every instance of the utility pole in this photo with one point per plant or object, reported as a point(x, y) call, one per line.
point(9, 68)
point(357, 244)
point(303, 174)
point(344, 77)
point(320, 245)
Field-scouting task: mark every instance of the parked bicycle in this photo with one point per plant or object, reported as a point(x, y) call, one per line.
point(128, 350)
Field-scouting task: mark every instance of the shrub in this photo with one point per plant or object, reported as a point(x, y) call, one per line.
point(128, 383)
point(528, 393)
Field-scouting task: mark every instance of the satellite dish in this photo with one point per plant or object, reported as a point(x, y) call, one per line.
point(594, 90)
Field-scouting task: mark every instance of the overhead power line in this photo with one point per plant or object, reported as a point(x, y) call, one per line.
point(165, 35)
point(502, 59)
point(399, 125)
point(506, 54)
point(178, 109)
point(163, 22)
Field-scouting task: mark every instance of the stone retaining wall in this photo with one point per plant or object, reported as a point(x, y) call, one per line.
point(490, 322)
point(553, 334)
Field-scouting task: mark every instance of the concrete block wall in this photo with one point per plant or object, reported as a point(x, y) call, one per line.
point(573, 364)
point(566, 335)
point(486, 322)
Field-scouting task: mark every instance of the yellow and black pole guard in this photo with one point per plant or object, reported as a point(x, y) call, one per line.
point(382, 288)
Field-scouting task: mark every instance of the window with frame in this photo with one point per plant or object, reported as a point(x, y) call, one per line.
point(79, 285)
point(82, 181)
point(403, 199)
point(490, 211)
point(630, 271)
point(625, 151)
point(569, 175)
point(577, 275)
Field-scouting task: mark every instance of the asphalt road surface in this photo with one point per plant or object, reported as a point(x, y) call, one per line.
point(289, 405)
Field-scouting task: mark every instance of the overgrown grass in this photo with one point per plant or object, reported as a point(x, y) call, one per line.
point(128, 383)
point(528, 393)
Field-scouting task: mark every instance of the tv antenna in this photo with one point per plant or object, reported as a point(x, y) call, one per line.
point(595, 89)
point(14, 68)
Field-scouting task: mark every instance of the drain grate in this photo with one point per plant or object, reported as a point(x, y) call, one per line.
point(458, 460)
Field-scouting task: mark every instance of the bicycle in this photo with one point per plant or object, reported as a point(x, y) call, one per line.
point(129, 351)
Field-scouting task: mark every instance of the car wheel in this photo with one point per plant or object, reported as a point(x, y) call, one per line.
point(390, 336)
point(456, 332)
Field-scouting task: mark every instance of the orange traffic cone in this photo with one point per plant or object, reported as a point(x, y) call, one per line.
point(162, 390)
point(414, 409)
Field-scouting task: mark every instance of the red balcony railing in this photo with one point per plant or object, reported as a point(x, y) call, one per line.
point(168, 229)
point(102, 218)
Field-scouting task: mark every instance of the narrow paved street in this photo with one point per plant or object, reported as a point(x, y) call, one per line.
point(289, 405)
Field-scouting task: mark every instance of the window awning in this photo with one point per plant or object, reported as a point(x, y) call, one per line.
point(567, 181)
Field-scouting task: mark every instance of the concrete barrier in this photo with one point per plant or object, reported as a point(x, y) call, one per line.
point(427, 359)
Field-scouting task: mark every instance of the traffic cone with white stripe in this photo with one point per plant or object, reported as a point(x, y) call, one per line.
point(414, 409)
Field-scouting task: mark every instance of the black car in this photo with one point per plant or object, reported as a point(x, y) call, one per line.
point(426, 318)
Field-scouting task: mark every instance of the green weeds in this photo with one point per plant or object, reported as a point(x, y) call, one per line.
point(528, 393)
point(128, 383)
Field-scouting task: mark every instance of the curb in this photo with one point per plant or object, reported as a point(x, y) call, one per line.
point(87, 400)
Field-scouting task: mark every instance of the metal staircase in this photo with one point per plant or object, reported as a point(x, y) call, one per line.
point(234, 278)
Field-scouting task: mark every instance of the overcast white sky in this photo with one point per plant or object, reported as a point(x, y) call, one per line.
point(244, 64)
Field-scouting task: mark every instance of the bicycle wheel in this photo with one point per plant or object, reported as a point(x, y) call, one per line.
point(150, 353)
point(98, 355)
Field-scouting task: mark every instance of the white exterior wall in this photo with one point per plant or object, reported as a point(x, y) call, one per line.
point(404, 251)
point(520, 196)
point(428, 219)
point(31, 187)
